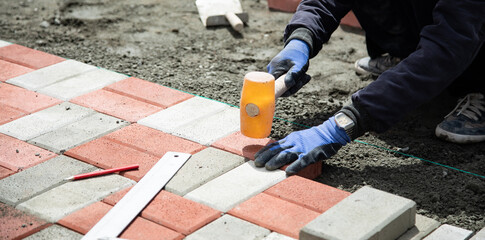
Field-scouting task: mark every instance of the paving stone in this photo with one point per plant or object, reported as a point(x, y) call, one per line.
point(55, 232)
point(277, 236)
point(37, 179)
point(350, 20)
point(149, 92)
point(274, 214)
point(5, 172)
point(184, 113)
point(366, 214)
point(312, 171)
point(116, 105)
point(4, 43)
point(28, 57)
point(479, 235)
point(448, 232)
point(284, 5)
point(25, 100)
point(235, 186)
point(229, 227)
point(71, 196)
point(77, 133)
point(44, 121)
point(17, 155)
point(105, 154)
point(152, 141)
point(49, 75)
point(241, 145)
point(201, 168)
point(8, 114)
point(83, 220)
point(307, 193)
point(11, 70)
point(16, 224)
point(422, 227)
point(82, 84)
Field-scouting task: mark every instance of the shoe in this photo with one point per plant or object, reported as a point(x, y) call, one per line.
point(466, 123)
point(376, 66)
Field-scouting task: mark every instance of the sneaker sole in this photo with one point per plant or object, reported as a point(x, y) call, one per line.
point(457, 138)
point(362, 71)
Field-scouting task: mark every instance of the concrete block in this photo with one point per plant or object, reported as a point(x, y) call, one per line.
point(235, 186)
point(69, 197)
point(77, 133)
point(424, 226)
point(211, 128)
point(49, 75)
point(4, 43)
point(201, 168)
point(448, 232)
point(183, 113)
point(229, 227)
point(277, 236)
point(479, 235)
point(366, 214)
point(40, 178)
point(55, 232)
point(82, 84)
point(44, 121)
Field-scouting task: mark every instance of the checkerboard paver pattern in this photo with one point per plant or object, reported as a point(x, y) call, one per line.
point(61, 117)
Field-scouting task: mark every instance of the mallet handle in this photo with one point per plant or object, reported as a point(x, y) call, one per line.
point(235, 21)
point(280, 86)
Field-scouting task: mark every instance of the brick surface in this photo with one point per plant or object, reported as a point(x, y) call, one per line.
point(229, 227)
point(44, 121)
point(312, 171)
point(49, 75)
point(350, 20)
point(4, 43)
point(116, 105)
point(201, 168)
point(82, 84)
point(8, 114)
point(9, 70)
point(275, 214)
point(422, 227)
point(283, 5)
point(25, 100)
point(241, 145)
point(366, 214)
point(235, 186)
point(448, 232)
point(77, 133)
point(16, 224)
point(69, 197)
point(307, 193)
point(17, 155)
point(28, 57)
point(149, 92)
point(153, 141)
point(5, 172)
point(277, 236)
point(39, 178)
point(55, 232)
point(83, 220)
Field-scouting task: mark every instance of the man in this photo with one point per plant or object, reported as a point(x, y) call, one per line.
point(418, 48)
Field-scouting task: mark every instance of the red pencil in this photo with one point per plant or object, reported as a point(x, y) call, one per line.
point(102, 172)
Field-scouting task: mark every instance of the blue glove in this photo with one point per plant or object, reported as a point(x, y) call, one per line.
point(293, 60)
point(303, 147)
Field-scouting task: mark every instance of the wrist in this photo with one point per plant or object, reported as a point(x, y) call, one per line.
point(300, 46)
point(304, 35)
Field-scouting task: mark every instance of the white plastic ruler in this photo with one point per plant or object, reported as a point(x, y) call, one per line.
point(121, 215)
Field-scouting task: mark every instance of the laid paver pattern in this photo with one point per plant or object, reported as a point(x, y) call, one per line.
point(241, 145)
point(28, 57)
point(277, 236)
point(5, 172)
point(15, 224)
point(55, 232)
point(25, 100)
point(8, 113)
point(10, 70)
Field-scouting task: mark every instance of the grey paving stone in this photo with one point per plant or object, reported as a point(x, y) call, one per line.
point(366, 214)
point(229, 227)
point(422, 227)
point(235, 186)
point(82, 84)
point(71, 196)
point(277, 236)
point(480, 235)
point(55, 232)
point(77, 133)
point(201, 168)
point(51, 74)
point(448, 232)
point(39, 178)
point(4, 43)
point(44, 121)
point(183, 113)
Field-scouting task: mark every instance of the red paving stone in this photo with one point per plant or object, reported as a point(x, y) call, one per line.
point(18, 155)
point(5, 172)
point(350, 20)
point(148, 92)
point(241, 145)
point(25, 100)
point(15, 224)
point(307, 193)
point(83, 220)
point(283, 5)
point(311, 172)
point(28, 57)
point(116, 105)
point(8, 113)
point(275, 214)
point(152, 141)
point(10, 70)
point(173, 211)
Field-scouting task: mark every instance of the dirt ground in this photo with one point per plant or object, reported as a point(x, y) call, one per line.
point(165, 42)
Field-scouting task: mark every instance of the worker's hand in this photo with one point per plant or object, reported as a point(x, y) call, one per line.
point(293, 60)
point(303, 147)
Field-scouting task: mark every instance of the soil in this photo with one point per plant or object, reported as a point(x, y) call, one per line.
point(165, 42)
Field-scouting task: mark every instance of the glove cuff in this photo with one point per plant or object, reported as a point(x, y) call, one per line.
point(360, 118)
point(302, 34)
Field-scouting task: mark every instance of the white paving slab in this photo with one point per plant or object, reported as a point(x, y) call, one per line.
point(480, 235)
point(422, 227)
point(277, 236)
point(448, 232)
point(4, 43)
point(55, 232)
